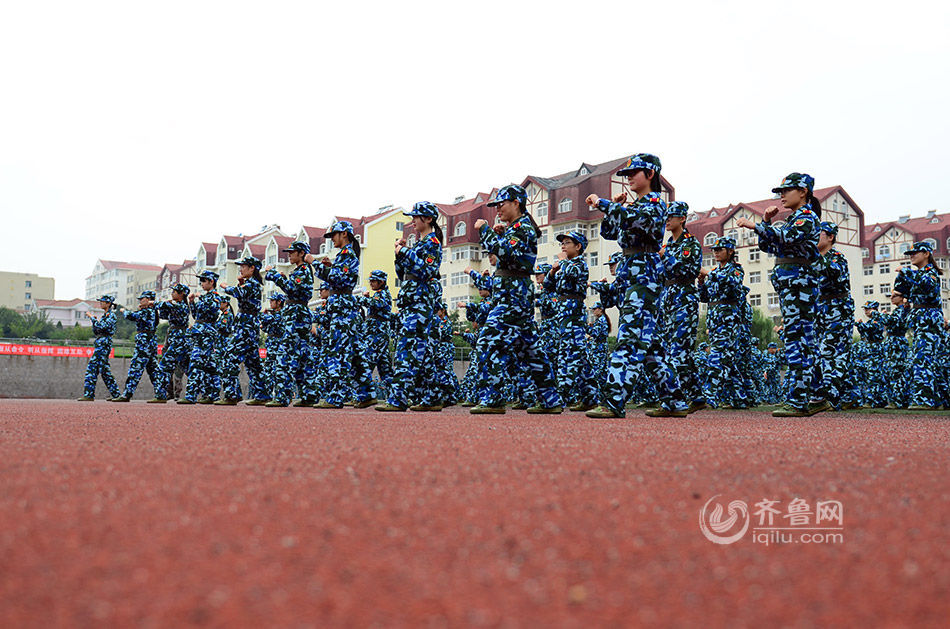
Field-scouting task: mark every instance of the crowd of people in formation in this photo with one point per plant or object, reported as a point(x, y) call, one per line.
point(534, 345)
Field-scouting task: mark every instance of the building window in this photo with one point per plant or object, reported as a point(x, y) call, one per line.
point(708, 260)
point(593, 258)
point(455, 301)
point(885, 289)
point(905, 247)
point(733, 233)
point(399, 226)
point(884, 251)
point(543, 238)
point(29, 284)
point(868, 290)
point(865, 252)
point(29, 295)
point(460, 278)
point(755, 277)
point(885, 269)
point(943, 263)
point(868, 270)
point(932, 243)
point(773, 300)
point(460, 228)
point(755, 300)
point(754, 255)
point(710, 239)
point(541, 260)
point(565, 206)
point(542, 210)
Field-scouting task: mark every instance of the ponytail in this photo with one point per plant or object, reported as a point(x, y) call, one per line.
point(524, 212)
point(655, 184)
point(257, 275)
point(815, 205)
point(437, 231)
point(610, 326)
point(932, 262)
point(356, 245)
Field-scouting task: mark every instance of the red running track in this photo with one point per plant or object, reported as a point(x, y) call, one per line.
point(121, 515)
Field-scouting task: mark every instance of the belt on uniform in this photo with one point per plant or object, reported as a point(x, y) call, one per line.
point(632, 251)
point(410, 276)
point(828, 297)
point(724, 302)
point(177, 327)
point(296, 302)
point(341, 292)
point(798, 260)
point(576, 296)
point(511, 273)
point(919, 306)
point(679, 282)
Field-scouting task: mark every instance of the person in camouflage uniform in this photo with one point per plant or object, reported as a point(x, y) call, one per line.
point(273, 328)
point(920, 282)
point(476, 313)
point(225, 329)
point(417, 266)
point(244, 343)
point(177, 348)
point(722, 289)
point(568, 278)
point(103, 328)
point(299, 365)
point(145, 354)
point(772, 393)
point(834, 322)
point(872, 333)
point(202, 369)
point(547, 304)
point(795, 245)
point(379, 306)
point(681, 258)
point(638, 228)
point(446, 380)
point(896, 350)
point(509, 336)
point(319, 342)
point(599, 332)
point(347, 358)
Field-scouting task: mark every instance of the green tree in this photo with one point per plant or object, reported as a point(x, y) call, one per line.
point(30, 325)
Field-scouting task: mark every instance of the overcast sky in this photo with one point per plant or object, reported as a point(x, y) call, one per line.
point(134, 131)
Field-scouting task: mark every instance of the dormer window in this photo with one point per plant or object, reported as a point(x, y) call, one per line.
point(460, 229)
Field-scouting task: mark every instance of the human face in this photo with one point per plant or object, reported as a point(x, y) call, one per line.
point(571, 247)
point(824, 240)
point(295, 257)
point(675, 223)
point(275, 304)
point(104, 305)
point(421, 224)
point(339, 239)
point(375, 284)
point(178, 296)
point(722, 254)
point(207, 285)
point(245, 270)
point(639, 181)
point(508, 211)
point(794, 198)
point(896, 297)
point(920, 259)
point(613, 268)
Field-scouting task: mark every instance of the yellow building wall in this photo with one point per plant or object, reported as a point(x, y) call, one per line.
point(377, 250)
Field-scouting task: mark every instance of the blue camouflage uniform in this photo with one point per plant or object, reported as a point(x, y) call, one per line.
point(575, 378)
point(546, 302)
point(638, 228)
point(834, 322)
point(795, 243)
point(177, 349)
point(723, 291)
point(244, 343)
point(872, 333)
point(145, 354)
point(896, 352)
point(202, 369)
point(679, 303)
point(272, 326)
point(413, 365)
point(379, 317)
point(922, 288)
point(225, 329)
point(772, 393)
point(446, 379)
point(103, 328)
point(509, 337)
point(599, 332)
point(298, 364)
point(347, 358)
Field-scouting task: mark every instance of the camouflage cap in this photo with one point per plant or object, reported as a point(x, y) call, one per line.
point(796, 180)
point(773, 345)
point(339, 227)
point(871, 305)
point(921, 247)
point(250, 261)
point(275, 296)
point(109, 299)
point(576, 236)
point(424, 208)
point(597, 306)
point(543, 268)
point(181, 288)
point(512, 192)
point(724, 243)
point(208, 275)
point(147, 294)
point(379, 276)
point(677, 208)
point(828, 226)
point(615, 258)
point(640, 161)
point(298, 245)
point(324, 286)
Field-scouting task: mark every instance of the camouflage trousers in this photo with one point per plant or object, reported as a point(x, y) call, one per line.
point(244, 347)
point(928, 340)
point(575, 378)
point(144, 360)
point(99, 364)
point(678, 328)
point(639, 350)
point(509, 342)
point(202, 367)
point(722, 364)
point(896, 369)
point(797, 288)
point(175, 354)
point(835, 323)
point(414, 363)
point(377, 354)
point(348, 358)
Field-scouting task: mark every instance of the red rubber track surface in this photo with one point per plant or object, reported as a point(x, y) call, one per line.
point(151, 515)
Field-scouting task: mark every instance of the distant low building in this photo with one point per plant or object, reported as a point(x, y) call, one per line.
point(122, 280)
point(19, 291)
point(69, 312)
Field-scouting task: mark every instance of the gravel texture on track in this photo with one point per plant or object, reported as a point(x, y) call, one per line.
point(165, 515)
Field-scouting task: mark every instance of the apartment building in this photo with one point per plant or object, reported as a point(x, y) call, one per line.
point(123, 280)
point(20, 291)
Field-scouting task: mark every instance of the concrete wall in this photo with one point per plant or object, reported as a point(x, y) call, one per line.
point(62, 378)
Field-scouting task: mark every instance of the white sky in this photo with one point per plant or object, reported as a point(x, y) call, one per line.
point(134, 131)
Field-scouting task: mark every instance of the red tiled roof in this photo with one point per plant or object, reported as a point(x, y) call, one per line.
point(64, 303)
point(129, 266)
point(258, 251)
